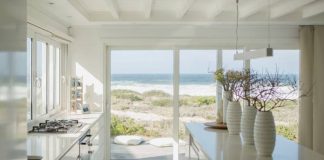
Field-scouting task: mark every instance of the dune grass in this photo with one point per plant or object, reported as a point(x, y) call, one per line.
point(160, 103)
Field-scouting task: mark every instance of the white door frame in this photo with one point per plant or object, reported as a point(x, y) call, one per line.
point(107, 94)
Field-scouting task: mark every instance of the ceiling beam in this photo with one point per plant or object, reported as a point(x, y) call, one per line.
point(287, 7)
point(113, 7)
point(79, 7)
point(252, 7)
point(313, 9)
point(184, 7)
point(147, 5)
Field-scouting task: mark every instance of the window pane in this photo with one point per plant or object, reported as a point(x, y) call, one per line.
point(29, 54)
point(50, 78)
point(285, 63)
point(57, 78)
point(142, 91)
point(40, 79)
point(228, 61)
point(197, 89)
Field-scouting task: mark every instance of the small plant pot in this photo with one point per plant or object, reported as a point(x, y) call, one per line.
point(226, 96)
point(247, 124)
point(264, 133)
point(234, 113)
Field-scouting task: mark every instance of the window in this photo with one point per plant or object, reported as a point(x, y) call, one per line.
point(43, 78)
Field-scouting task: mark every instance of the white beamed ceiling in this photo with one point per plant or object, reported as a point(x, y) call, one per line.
point(196, 12)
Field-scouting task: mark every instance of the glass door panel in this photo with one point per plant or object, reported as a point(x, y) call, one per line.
point(141, 102)
point(40, 80)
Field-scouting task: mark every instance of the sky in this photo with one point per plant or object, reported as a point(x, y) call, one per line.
point(197, 62)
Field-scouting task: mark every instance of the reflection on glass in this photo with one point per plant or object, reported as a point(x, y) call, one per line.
point(50, 78)
point(29, 82)
point(57, 78)
point(40, 79)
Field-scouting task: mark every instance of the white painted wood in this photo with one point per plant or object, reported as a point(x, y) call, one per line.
point(78, 6)
point(313, 9)
point(184, 6)
point(219, 105)
point(147, 7)
point(287, 7)
point(253, 7)
point(113, 7)
point(217, 9)
point(107, 100)
point(176, 77)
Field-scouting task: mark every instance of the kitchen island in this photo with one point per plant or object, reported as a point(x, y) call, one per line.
point(215, 144)
point(55, 146)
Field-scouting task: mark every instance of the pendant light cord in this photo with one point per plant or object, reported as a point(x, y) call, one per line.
point(268, 14)
point(237, 17)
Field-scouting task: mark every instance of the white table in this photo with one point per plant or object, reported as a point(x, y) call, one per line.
point(218, 145)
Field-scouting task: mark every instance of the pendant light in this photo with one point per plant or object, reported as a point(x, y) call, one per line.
point(258, 53)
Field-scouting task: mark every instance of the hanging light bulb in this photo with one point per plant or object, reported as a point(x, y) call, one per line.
point(258, 53)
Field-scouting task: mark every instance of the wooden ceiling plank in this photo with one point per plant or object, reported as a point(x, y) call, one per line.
point(313, 9)
point(184, 7)
point(287, 7)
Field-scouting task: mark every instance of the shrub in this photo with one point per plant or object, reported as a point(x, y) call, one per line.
point(205, 100)
point(125, 126)
point(156, 93)
point(162, 102)
point(127, 94)
point(289, 132)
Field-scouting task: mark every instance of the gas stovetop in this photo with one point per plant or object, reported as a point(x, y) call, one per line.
point(57, 126)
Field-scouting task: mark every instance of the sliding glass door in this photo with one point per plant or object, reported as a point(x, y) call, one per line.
point(141, 103)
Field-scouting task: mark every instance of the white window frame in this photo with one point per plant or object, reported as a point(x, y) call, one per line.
point(48, 40)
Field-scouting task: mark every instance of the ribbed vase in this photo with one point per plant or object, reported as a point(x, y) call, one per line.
point(247, 124)
point(234, 113)
point(264, 133)
point(226, 95)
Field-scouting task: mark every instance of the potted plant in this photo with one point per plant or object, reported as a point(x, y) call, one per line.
point(271, 91)
point(248, 86)
point(234, 110)
point(222, 78)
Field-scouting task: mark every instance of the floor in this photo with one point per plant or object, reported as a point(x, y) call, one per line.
point(143, 152)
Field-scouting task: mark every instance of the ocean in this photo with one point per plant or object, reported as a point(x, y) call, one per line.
point(190, 84)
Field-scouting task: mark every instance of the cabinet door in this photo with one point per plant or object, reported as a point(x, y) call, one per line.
point(72, 154)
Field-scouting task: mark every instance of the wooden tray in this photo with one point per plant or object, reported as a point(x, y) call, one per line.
point(216, 125)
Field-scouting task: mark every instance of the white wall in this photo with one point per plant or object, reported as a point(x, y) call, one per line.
point(86, 53)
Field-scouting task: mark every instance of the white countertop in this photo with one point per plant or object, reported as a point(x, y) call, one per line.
point(218, 145)
point(52, 146)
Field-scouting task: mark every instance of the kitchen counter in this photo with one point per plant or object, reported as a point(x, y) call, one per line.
point(219, 145)
point(52, 146)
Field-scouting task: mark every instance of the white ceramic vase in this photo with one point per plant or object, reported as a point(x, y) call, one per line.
point(264, 133)
point(247, 124)
point(234, 113)
point(226, 96)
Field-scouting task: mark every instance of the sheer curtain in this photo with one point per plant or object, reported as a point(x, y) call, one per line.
point(311, 101)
